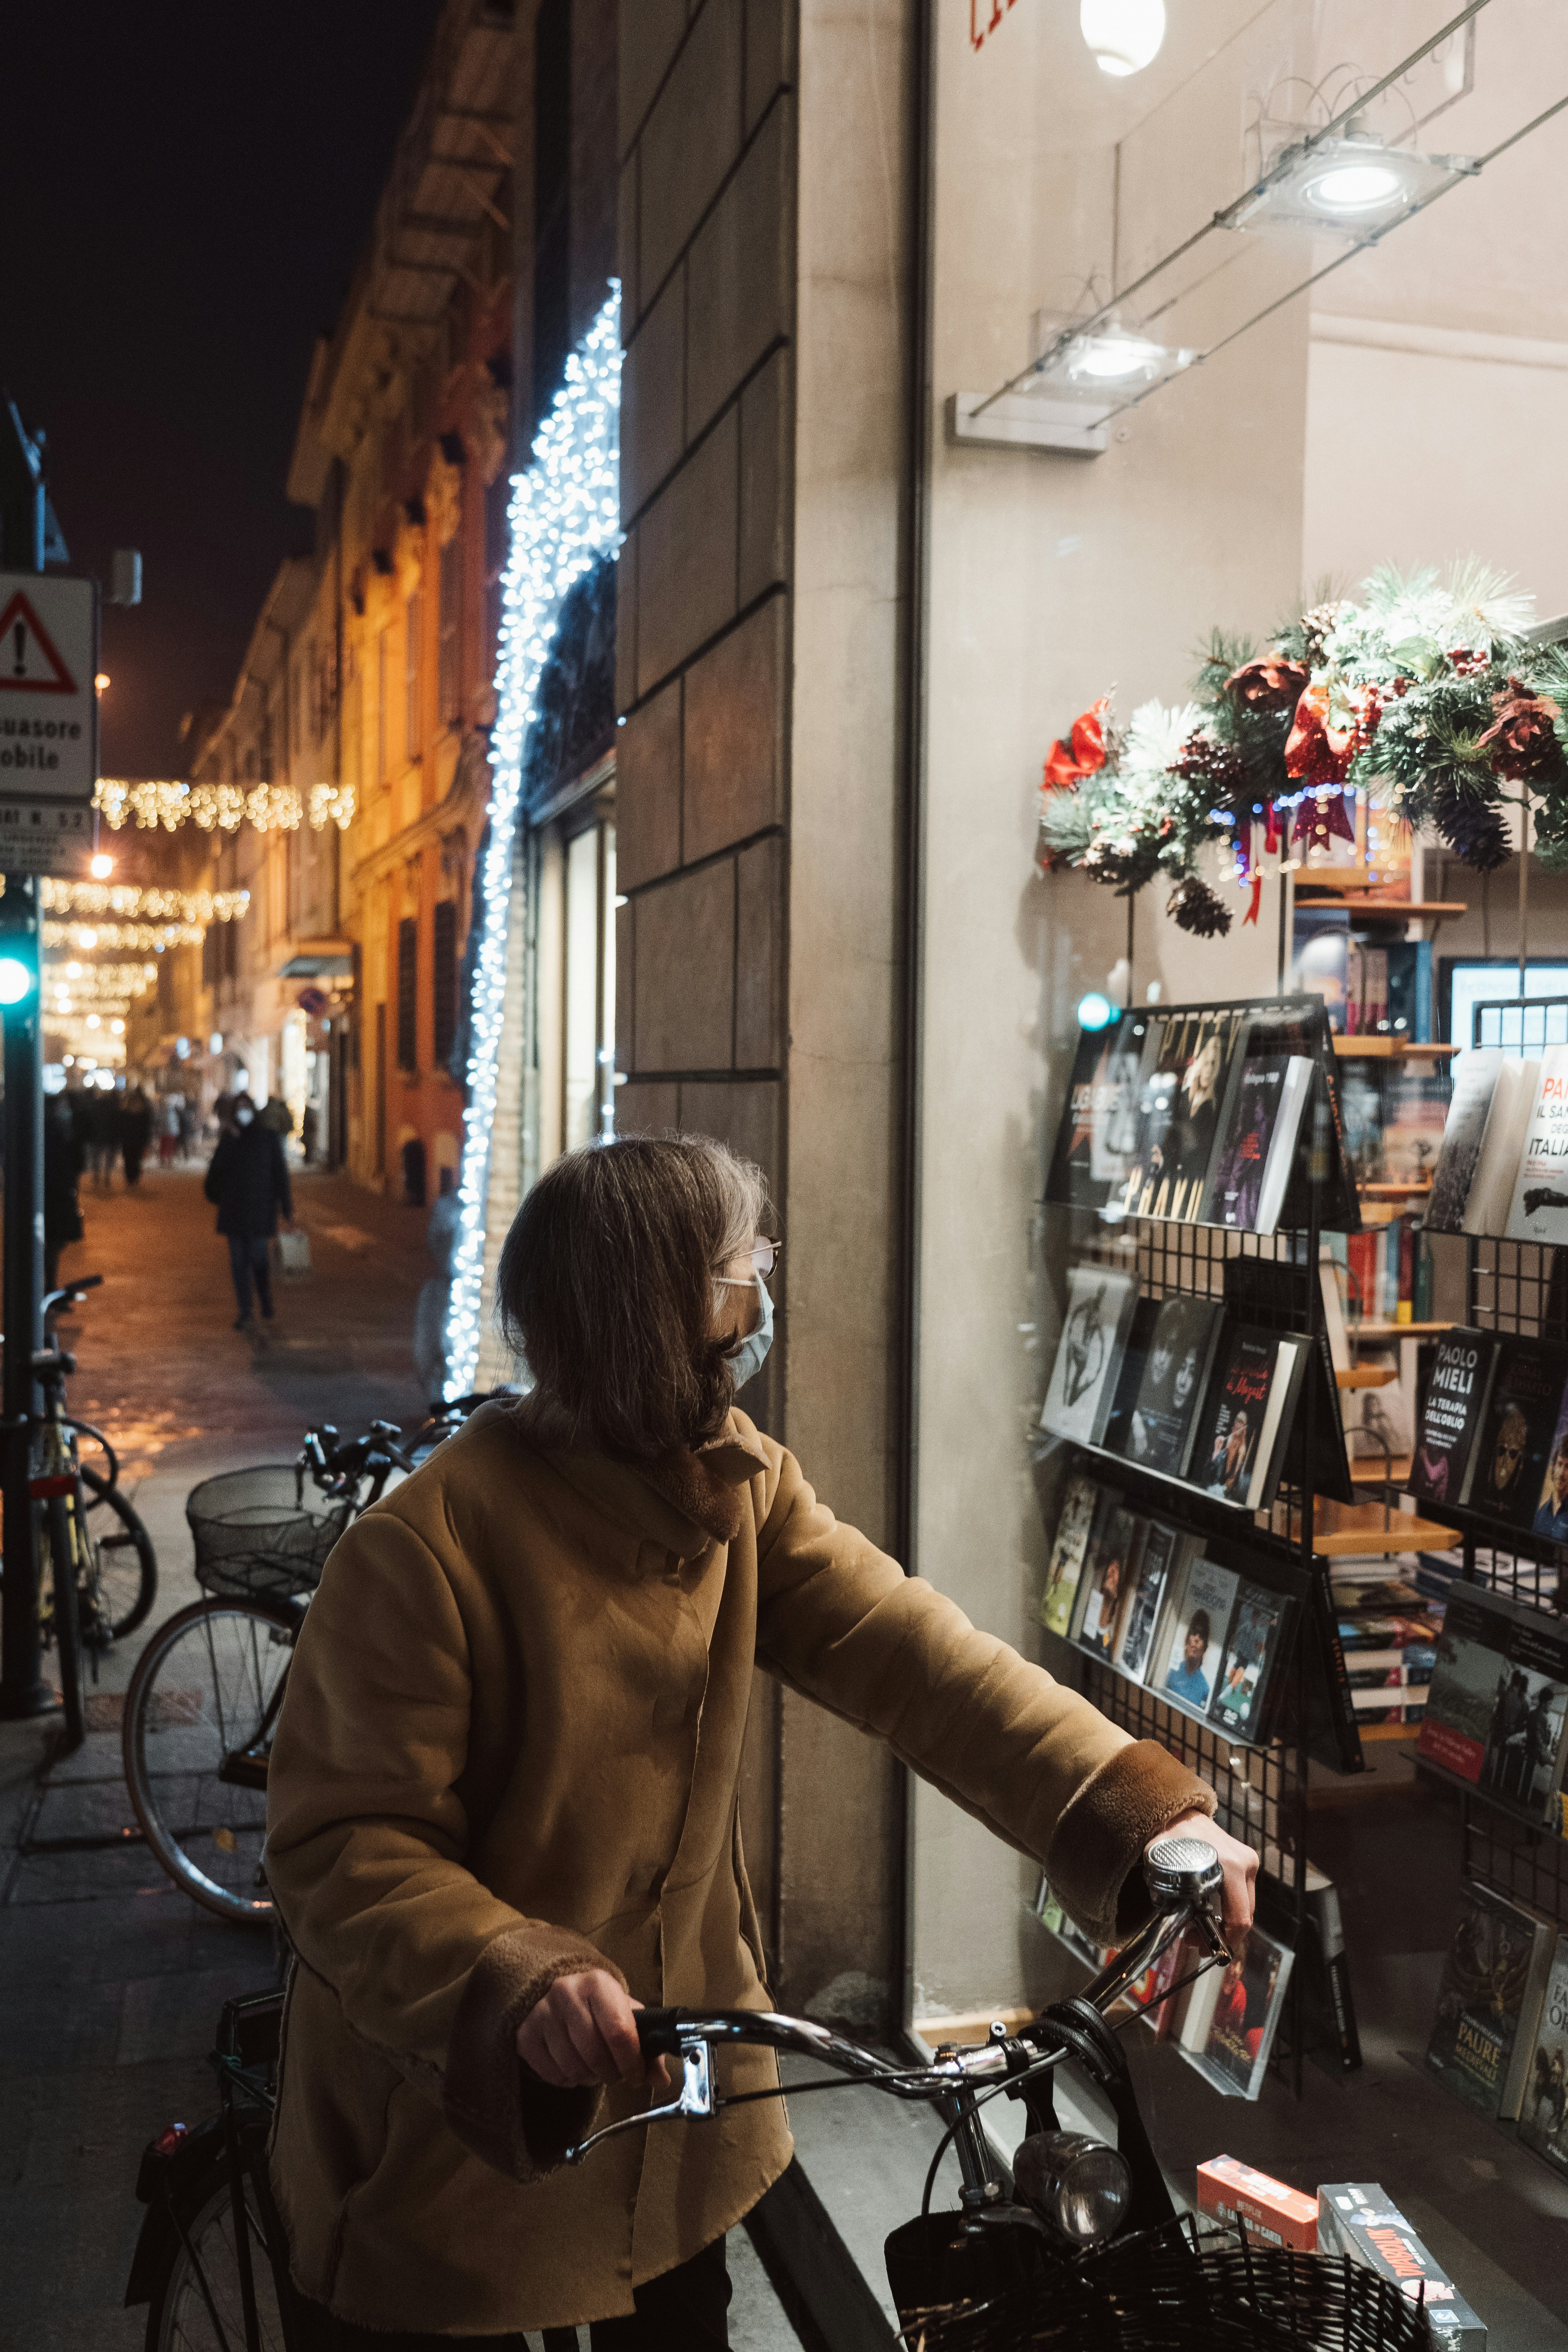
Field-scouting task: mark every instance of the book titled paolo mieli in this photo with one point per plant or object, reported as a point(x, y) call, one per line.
point(1539, 1210)
point(1451, 1414)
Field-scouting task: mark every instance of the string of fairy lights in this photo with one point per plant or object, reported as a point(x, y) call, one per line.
point(151, 804)
point(564, 515)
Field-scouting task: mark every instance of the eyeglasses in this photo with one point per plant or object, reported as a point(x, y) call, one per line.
point(766, 1253)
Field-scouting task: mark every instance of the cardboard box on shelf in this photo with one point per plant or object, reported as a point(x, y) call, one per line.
point(1229, 2189)
point(1358, 2218)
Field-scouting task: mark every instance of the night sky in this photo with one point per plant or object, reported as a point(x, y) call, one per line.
point(185, 193)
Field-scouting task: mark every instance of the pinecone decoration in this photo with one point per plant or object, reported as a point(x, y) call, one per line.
point(1473, 831)
point(1317, 620)
point(1196, 908)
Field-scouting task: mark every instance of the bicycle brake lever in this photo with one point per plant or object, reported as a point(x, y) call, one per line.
point(695, 2099)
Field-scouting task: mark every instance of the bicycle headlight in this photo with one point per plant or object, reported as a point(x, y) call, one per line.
point(1080, 2186)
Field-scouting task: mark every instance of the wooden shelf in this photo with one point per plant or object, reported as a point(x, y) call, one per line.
point(1354, 1528)
point(1381, 1333)
point(1364, 1376)
point(1394, 1191)
point(1370, 1048)
point(1386, 909)
point(1411, 1731)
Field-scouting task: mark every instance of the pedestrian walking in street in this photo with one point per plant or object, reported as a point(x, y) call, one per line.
point(247, 1181)
point(136, 1133)
point(169, 1111)
point(276, 1115)
point(102, 1138)
point(493, 1829)
point(62, 1166)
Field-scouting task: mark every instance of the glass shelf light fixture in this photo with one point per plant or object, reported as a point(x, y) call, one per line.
point(1354, 187)
point(1109, 364)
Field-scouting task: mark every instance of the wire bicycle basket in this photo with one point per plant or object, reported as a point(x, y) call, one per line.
point(258, 1536)
point(1159, 2293)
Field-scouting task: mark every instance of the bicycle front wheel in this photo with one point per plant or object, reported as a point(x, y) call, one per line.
point(199, 1717)
point(203, 2285)
point(124, 1573)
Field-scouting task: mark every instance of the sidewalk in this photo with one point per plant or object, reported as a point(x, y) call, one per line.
point(110, 1981)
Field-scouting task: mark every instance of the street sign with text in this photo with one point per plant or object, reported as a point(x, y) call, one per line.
point(48, 722)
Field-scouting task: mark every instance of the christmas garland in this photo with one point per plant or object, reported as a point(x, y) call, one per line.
point(1424, 694)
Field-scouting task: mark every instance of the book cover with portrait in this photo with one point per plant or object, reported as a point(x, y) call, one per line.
point(1159, 1564)
point(1190, 1648)
point(1170, 1378)
point(1233, 2052)
point(1109, 1573)
point(1508, 1467)
point(1493, 1980)
point(1469, 1676)
point(1254, 1646)
point(1543, 2098)
point(1242, 1429)
point(1074, 1523)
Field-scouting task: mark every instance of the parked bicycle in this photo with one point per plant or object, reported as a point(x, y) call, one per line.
point(98, 1573)
point(203, 1701)
point(1083, 2248)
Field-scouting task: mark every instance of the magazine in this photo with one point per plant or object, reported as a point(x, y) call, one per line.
point(1171, 1381)
point(1187, 1663)
point(1544, 2100)
point(1464, 1130)
point(1074, 1522)
point(1493, 1984)
point(1159, 1561)
point(1234, 2051)
point(1254, 1649)
point(1538, 1211)
point(1451, 1415)
point(1242, 1429)
point(1508, 1471)
point(1083, 1378)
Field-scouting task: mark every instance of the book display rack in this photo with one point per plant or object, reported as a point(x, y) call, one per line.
point(1193, 1409)
point(1518, 1288)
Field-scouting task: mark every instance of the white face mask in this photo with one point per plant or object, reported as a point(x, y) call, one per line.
point(243, 1117)
point(745, 1360)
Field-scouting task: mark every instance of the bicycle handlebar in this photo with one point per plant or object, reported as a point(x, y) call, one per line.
point(1182, 1873)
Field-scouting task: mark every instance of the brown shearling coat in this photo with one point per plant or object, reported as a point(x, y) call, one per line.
point(509, 1751)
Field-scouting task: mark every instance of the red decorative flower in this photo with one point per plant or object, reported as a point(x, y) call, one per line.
point(1269, 684)
point(1521, 739)
point(1084, 755)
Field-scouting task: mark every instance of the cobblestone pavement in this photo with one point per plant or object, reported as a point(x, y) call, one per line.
point(110, 1981)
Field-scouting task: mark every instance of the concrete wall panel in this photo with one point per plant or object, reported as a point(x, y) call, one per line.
point(647, 790)
point(735, 735)
point(691, 139)
point(686, 557)
point(740, 273)
point(683, 948)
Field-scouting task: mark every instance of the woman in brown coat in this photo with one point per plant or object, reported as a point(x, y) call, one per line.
point(504, 1807)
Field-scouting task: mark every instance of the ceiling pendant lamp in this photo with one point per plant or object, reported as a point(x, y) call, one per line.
point(1124, 34)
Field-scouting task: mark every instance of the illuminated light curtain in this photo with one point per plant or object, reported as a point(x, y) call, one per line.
point(565, 514)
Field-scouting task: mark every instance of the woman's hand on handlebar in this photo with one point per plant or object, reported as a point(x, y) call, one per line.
point(584, 2031)
point(1239, 1862)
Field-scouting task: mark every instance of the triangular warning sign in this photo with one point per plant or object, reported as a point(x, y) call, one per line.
point(28, 662)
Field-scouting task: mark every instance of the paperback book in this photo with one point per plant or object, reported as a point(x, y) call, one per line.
point(1167, 1385)
point(1192, 1642)
point(1255, 1162)
point(1187, 1148)
point(1107, 1576)
point(1508, 1121)
point(1074, 1522)
point(1159, 1563)
point(1415, 1119)
point(1467, 1680)
point(1451, 1415)
point(1507, 1477)
point(1242, 1428)
point(1543, 2098)
point(1083, 1378)
point(1251, 1662)
point(1464, 1130)
point(1095, 1139)
point(1238, 2034)
point(1164, 1061)
point(1273, 1293)
point(1489, 1999)
point(1539, 1209)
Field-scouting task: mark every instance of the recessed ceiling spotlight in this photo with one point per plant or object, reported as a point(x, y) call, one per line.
point(1124, 34)
point(1354, 187)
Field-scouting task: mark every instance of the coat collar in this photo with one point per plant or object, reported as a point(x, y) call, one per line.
point(682, 1502)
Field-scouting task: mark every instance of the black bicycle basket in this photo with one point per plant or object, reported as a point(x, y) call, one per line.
point(1156, 2293)
point(258, 1538)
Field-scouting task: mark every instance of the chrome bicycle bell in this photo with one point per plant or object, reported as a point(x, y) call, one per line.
point(1180, 1869)
point(1080, 2186)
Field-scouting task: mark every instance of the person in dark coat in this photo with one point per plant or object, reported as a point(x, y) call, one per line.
point(136, 1133)
point(63, 1154)
point(248, 1180)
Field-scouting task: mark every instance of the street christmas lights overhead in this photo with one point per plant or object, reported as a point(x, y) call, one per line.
point(564, 515)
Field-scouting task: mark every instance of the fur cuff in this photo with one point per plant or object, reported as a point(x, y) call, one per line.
point(490, 2100)
point(1093, 1863)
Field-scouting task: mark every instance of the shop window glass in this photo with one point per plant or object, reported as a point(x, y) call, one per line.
point(588, 986)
